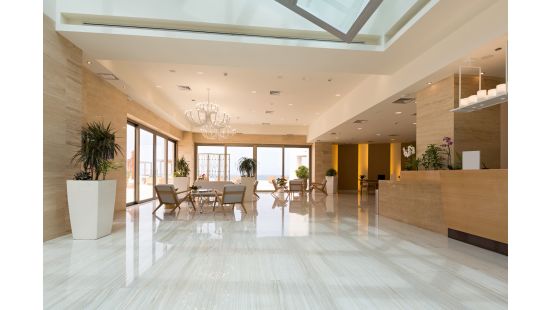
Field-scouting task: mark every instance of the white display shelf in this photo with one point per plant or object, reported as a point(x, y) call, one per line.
point(482, 104)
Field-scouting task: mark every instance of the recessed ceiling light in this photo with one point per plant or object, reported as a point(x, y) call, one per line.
point(89, 62)
point(158, 86)
point(392, 139)
point(200, 72)
point(414, 123)
point(172, 70)
point(378, 134)
point(398, 112)
point(290, 104)
point(123, 86)
point(482, 73)
point(429, 83)
point(338, 95)
point(359, 128)
point(253, 91)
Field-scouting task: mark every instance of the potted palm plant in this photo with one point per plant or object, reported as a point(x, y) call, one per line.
point(332, 181)
point(247, 168)
point(302, 173)
point(181, 175)
point(91, 200)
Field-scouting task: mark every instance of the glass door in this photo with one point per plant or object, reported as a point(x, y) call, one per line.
point(294, 158)
point(160, 166)
point(234, 154)
point(270, 166)
point(130, 163)
point(145, 164)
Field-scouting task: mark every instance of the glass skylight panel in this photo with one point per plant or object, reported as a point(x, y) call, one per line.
point(341, 14)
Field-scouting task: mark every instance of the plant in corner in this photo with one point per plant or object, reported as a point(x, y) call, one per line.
point(411, 162)
point(247, 166)
point(181, 174)
point(446, 149)
point(91, 201)
point(432, 159)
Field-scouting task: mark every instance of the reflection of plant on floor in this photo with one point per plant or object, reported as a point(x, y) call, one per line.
point(432, 159)
point(412, 162)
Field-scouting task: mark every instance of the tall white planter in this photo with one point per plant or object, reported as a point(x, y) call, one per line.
point(181, 183)
point(332, 184)
point(91, 208)
point(249, 192)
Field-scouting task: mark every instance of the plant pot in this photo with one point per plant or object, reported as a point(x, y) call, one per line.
point(182, 183)
point(249, 183)
point(91, 208)
point(332, 184)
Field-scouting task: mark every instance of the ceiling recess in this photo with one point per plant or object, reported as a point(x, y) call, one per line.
point(184, 87)
point(360, 121)
point(403, 100)
point(107, 76)
point(274, 92)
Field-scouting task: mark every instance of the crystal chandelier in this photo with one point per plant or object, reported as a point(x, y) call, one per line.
point(212, 123)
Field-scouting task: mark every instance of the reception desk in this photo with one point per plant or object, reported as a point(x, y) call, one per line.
point(469, 205)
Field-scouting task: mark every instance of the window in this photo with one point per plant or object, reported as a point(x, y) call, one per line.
point(160, 166)
point(130, 163)
point(170, 162)
point(145, 164)
point(211, 163)
point(295, 157)
point(270, 166)
point(234, 154)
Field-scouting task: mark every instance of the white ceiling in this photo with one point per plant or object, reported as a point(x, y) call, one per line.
point(300, 70)
point(244, 93)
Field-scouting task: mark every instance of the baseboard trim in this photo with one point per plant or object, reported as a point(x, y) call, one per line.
point(488, 244)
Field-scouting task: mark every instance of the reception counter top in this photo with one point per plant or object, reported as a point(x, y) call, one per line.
point(470, 202)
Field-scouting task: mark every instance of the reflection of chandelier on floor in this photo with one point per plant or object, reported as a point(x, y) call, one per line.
point(213, 124)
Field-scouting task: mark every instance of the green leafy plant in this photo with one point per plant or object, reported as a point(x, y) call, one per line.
point(193, 187)
point(281, 181)
point(182, 168)
point(331, 172)
point(108, 165)
point(247, 166)
point(82, 176)
point(432, 159)
point(97, 144)
point(302, 172)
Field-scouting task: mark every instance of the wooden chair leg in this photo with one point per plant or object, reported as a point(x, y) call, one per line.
point(158, 207)
point(242, 205)
point(190, 199)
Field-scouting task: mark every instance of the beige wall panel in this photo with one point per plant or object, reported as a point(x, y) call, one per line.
point(254, 139)
point(321, 161)
point(433, 119)
point(62, 116)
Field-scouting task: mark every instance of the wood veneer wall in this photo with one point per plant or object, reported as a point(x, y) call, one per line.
point(347, 167)
point(63, 112)
point(322, 160)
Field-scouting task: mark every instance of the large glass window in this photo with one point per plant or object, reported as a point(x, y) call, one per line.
point(160, 166)
point(211, 163)
point(295, 157)
point(234, 154)
point(270, 166)
point(170, 162)
point(130, 163)
point(145, 164)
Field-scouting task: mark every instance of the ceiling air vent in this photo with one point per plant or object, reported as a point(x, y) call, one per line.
point(107, 76)
point(403, 100)
point(332, 133)
point(184, 87)
point(269, 112)
point(274, 92)
point(266, 124)
point(393, 135)
point(359, 121)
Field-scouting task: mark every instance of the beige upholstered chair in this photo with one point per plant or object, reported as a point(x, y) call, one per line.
point(166, 194)
point(231, 195)
point(319, 186)
point(295, 186)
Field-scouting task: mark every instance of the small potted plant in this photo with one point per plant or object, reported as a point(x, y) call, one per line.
point(91, 200)
point(432, 159)
point(181, 175)
point(332, 181)
point(247, 168)
point(302, 173)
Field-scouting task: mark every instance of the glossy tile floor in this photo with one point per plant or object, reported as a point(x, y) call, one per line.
point(315, 252)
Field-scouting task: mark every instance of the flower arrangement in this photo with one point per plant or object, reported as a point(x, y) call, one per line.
point(411, 162)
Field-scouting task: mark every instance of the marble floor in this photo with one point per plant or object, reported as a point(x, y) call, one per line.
point(314, 252)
